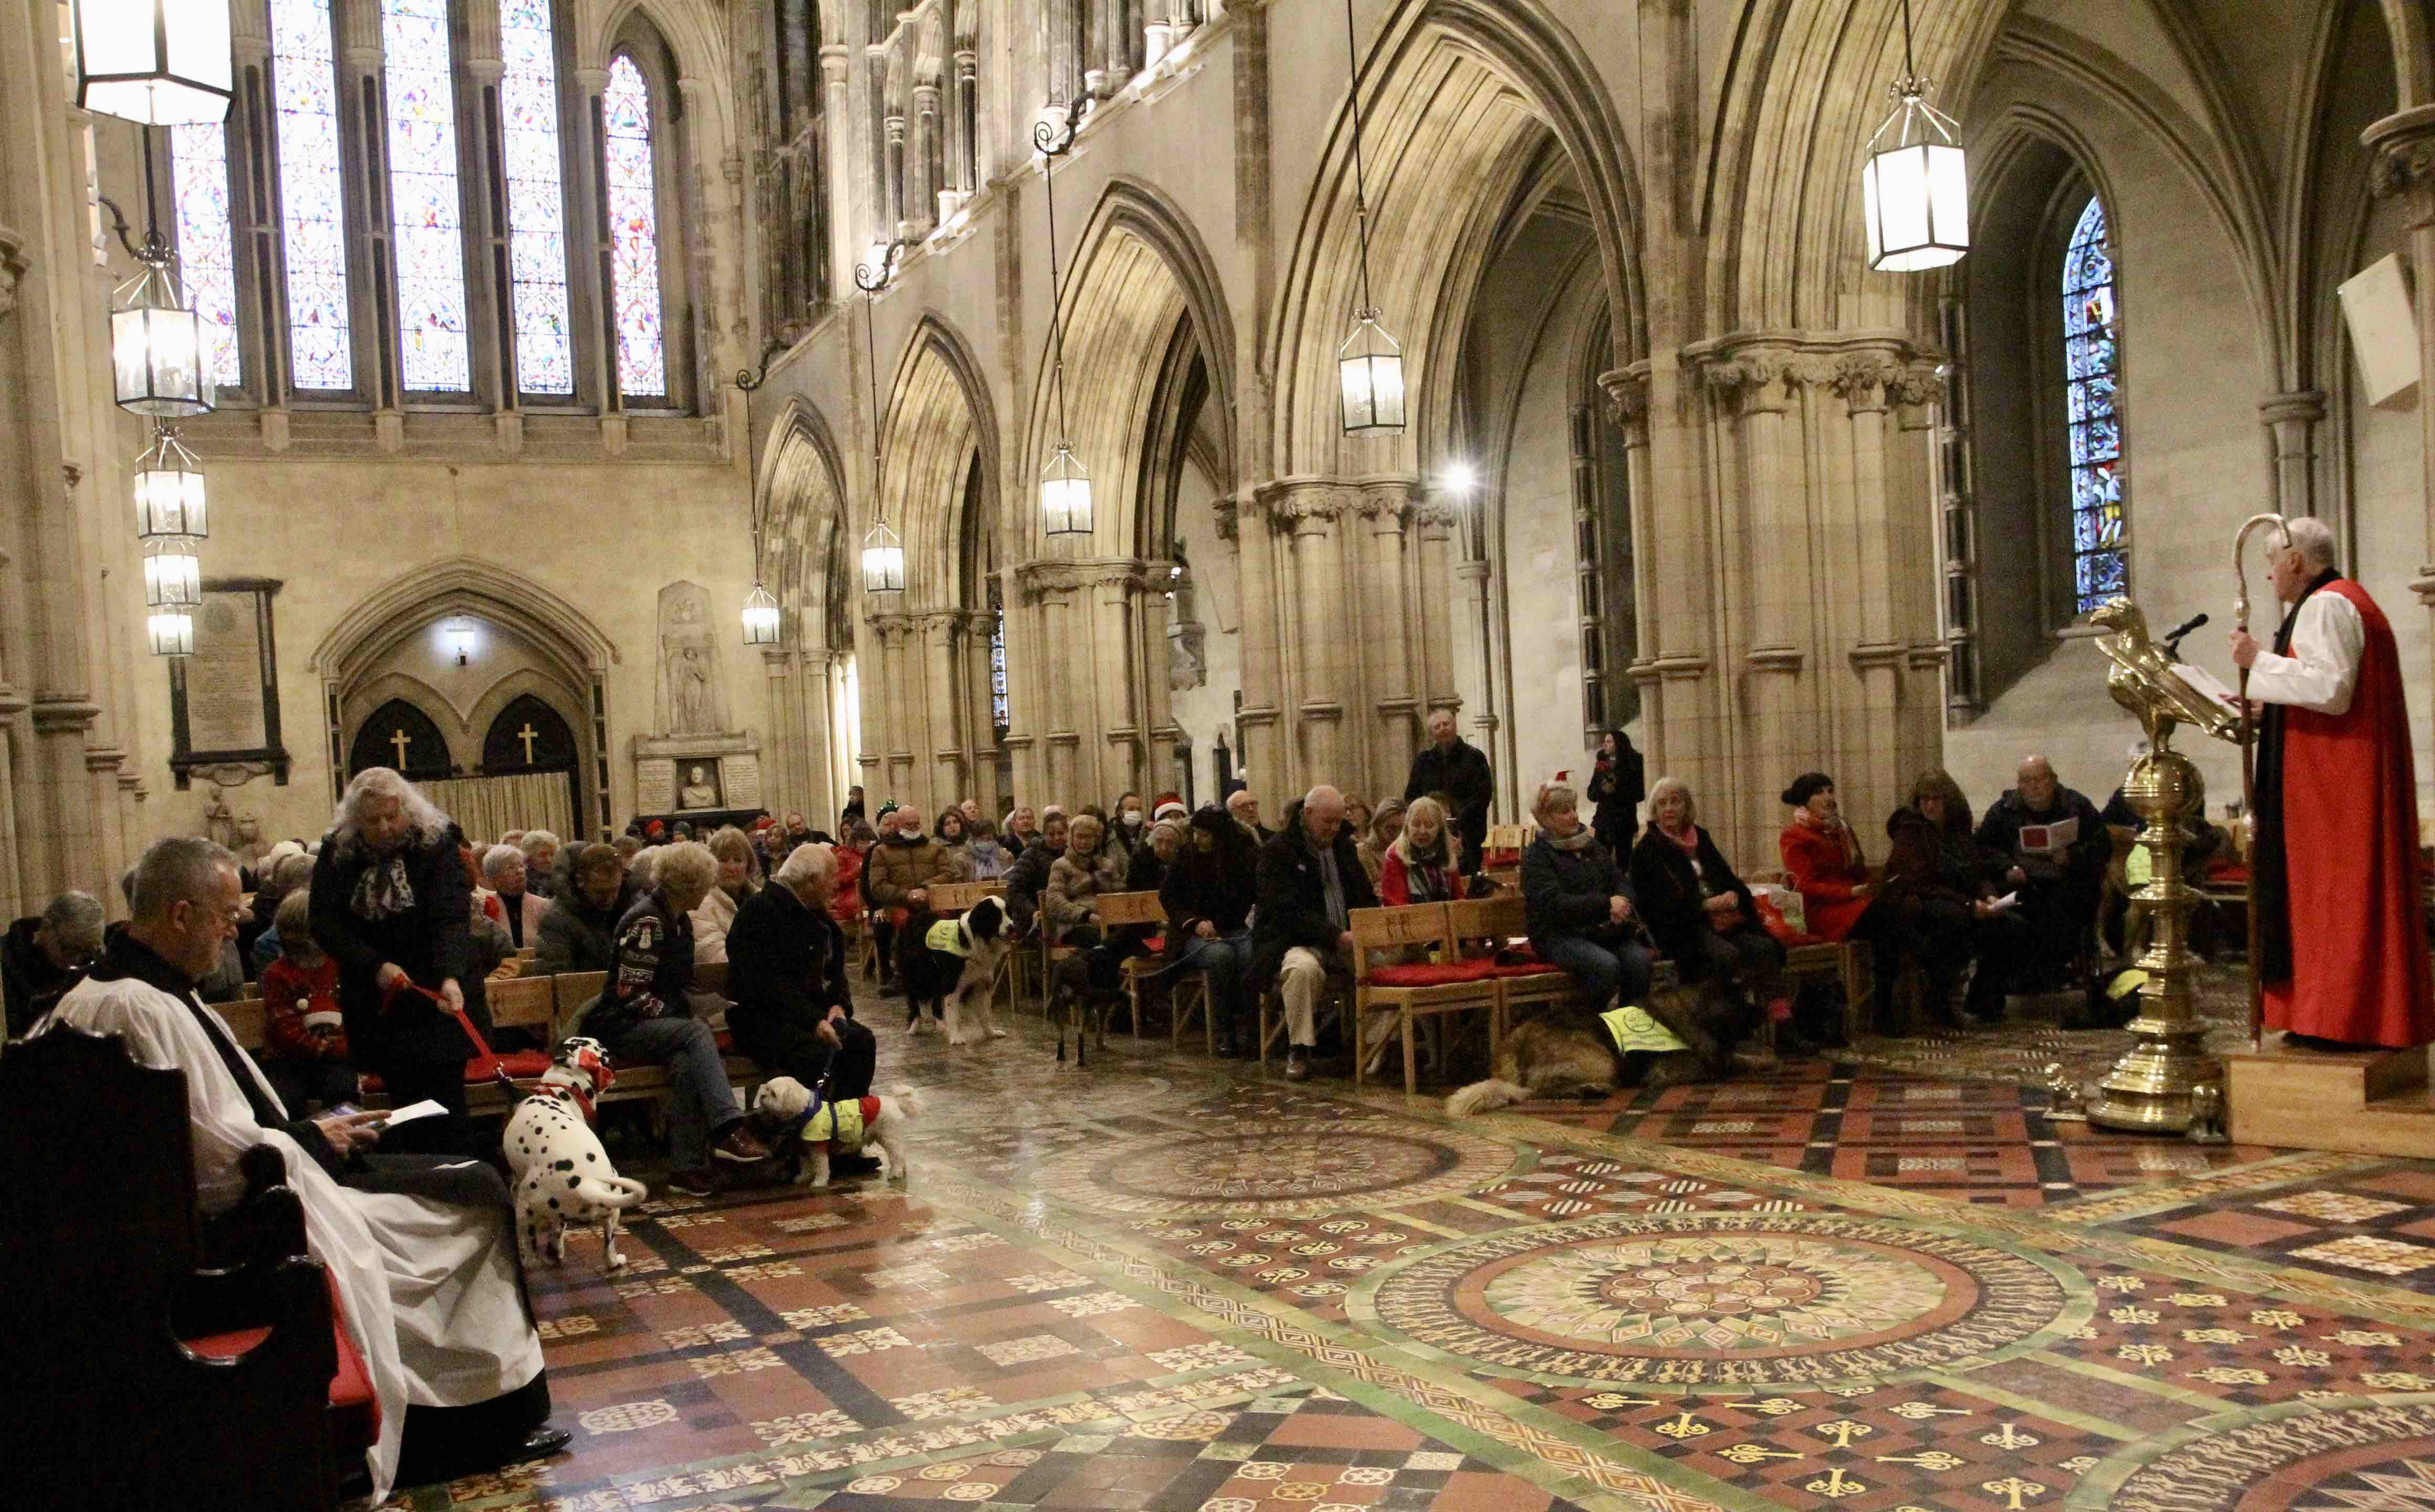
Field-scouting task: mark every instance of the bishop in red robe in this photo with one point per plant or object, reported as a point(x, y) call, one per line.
point(2343, 940)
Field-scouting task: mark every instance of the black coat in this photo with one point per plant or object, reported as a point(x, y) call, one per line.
point(1618, 786)
point(1673, 900)
point(32, 984)
point(432, 942)
point(1025, 881)
point(1461, 773)
point(785, 964)
point(1564, 893)
point(576, 937)
point(1220, 887)
point(2084, 862)
point(650, 970)
point(1293, 898)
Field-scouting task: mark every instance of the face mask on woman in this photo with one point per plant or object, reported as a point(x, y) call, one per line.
point(1132, 816)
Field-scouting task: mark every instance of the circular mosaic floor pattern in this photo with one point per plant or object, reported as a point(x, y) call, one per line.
point(1761, 1300)
point(1249, 1167)
point(2317, 1459)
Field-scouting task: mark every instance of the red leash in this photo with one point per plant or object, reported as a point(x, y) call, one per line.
point(492, 1065)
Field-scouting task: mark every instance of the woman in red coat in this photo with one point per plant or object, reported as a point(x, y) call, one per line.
point(1837, 893)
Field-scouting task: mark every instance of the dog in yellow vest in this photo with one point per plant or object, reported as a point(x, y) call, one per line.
point(807, 1129)
point(1570, 1054)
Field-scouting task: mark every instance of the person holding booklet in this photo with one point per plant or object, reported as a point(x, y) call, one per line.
point(2053, 849)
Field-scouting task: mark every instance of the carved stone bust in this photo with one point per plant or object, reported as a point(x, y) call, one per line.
point(699, 792)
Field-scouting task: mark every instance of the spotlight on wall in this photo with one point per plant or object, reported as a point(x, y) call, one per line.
point(1461, 477)
point(460, 634)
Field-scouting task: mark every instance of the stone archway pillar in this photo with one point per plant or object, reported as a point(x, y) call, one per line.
point(1392, 613)
point(940, 747)
point(1244, 521)
point(2403, 146)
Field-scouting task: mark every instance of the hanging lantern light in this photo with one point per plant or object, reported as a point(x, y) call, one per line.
point(156, 63)
point(883, 561)
point(169, 490)
point(1371, 364)
point(156, 342)
point(760, 617)
point(1065, 495)
point(1915, 187)
point(171, 632)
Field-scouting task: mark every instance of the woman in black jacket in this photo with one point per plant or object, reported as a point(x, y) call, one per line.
point(1208, 892)
point(1702, 914)
point(1940, 882)
point(393, 904)
point(1618, 781)
point(1579, 906)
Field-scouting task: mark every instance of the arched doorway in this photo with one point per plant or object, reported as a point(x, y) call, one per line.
point(529, 738)
point(398, 735)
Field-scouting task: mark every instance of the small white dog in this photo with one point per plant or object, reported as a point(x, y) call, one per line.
point(563, 1176)
point(804, 1135)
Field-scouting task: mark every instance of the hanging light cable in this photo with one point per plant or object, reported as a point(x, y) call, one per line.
point(1065, 484)
point(1369, 365)
point(1915, 187)
point(883, 554)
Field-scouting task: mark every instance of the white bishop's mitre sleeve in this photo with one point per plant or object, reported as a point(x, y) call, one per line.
point(2327, 641)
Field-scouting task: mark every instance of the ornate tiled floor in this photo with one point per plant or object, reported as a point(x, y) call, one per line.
point(1162, 1284)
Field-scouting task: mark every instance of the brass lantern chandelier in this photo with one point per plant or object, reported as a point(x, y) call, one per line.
point(883, 551)
point(156, 63)
point(1915, 187)
point(1065, 483)
point(1369, 365)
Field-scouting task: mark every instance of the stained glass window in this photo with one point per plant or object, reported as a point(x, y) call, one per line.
point(998, 715)
point(206, 245)
point(536, 197)
point(633, 228)
point(304, 93)
point(426, 213)
point(2099, 544)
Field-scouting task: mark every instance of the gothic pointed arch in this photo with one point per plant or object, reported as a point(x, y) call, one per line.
point(940, 418)
point(401, 735)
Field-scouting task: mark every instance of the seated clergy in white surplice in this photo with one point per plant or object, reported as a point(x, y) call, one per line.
point(423, 1250)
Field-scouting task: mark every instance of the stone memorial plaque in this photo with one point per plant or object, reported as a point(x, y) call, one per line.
point(655, 786)
point(743, 778)
point(224, 677)
point(224, 698)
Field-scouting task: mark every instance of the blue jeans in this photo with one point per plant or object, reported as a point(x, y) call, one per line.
point(1223, 962)
point(1599, 972)
point(700, 1103)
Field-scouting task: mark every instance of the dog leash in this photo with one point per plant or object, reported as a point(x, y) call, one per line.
point(492, 1066)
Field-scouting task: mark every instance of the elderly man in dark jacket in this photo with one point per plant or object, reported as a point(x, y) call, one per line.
point(1310, 880)
point(2054, 848)
point(1458, 769)
point(786, 971)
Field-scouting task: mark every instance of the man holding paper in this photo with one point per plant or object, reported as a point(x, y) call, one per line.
point(2053, 848)
point(2342, 940)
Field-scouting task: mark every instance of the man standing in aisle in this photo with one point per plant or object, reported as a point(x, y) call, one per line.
point(1452, 767)
point(2341, 939)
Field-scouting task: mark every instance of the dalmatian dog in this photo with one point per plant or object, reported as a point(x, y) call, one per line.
point(803, 1131)
point(562, 1175)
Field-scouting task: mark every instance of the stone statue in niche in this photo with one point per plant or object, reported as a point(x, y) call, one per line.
point(692, 699)
point(699, 790)
point(1187, 659)
point(239, 833)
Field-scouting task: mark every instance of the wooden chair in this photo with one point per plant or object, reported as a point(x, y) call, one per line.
point(248, 1021)
point(1122, 910)
point(574, 989)
point(1414, 991)
point(949, 899)
point(1528, 984)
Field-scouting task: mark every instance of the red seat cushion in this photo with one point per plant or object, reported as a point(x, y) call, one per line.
point(1448, 974)
point(515, 1063)
point(1506, 968)
point(2228, 873)
point(1156, 944)
point(355, 1413)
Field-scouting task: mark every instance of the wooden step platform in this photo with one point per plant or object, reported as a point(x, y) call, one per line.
point(2367, 1102)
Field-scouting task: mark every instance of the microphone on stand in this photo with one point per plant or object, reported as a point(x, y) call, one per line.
point(2174, 639)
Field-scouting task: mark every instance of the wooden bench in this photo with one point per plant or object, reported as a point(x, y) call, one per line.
point(1417, 990)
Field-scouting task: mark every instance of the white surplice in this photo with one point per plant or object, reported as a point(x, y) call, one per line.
point(429, 1288)
point(2327, 640)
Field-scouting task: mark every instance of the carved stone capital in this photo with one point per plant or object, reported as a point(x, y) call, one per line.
point(1038, 579)
point(1437, 516)
point(2305, 406)
point(1750, 380)
point(12, 268)
point(1863, 378)
point(1305, 506)
point(2403, 161)
point(1627, 402)
point(1916, 384)
point(1226, 511)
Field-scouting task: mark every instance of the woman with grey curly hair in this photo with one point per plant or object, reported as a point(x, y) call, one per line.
point(393, 904)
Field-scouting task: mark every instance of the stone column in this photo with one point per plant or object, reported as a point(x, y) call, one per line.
point(816, 700)
point(1150, 621)
point(1244, 520)
point(1122, 717)
point(2404, 168)
point(980, 726)
point(783, 781)
point(1764, 518)
point(923, 182)
point(1627, 400)
point(588, 292)
point(941, 745)
point(1869, 734)
point(1326, 654)
point(838, 130)
point(897, 665)
point(1390, 617)
point(2290, 419)
point(897, 214)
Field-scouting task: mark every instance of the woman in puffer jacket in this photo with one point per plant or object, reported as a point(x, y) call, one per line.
point(1069, 907)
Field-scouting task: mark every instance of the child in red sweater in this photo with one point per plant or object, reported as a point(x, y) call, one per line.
point(307, 1054)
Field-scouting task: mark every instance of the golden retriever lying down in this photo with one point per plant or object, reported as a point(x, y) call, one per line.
point(1571, 1052)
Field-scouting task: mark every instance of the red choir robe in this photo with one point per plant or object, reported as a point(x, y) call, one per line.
point(2344, 950)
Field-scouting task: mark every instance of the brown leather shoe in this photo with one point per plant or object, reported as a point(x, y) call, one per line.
point(741, 1146)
